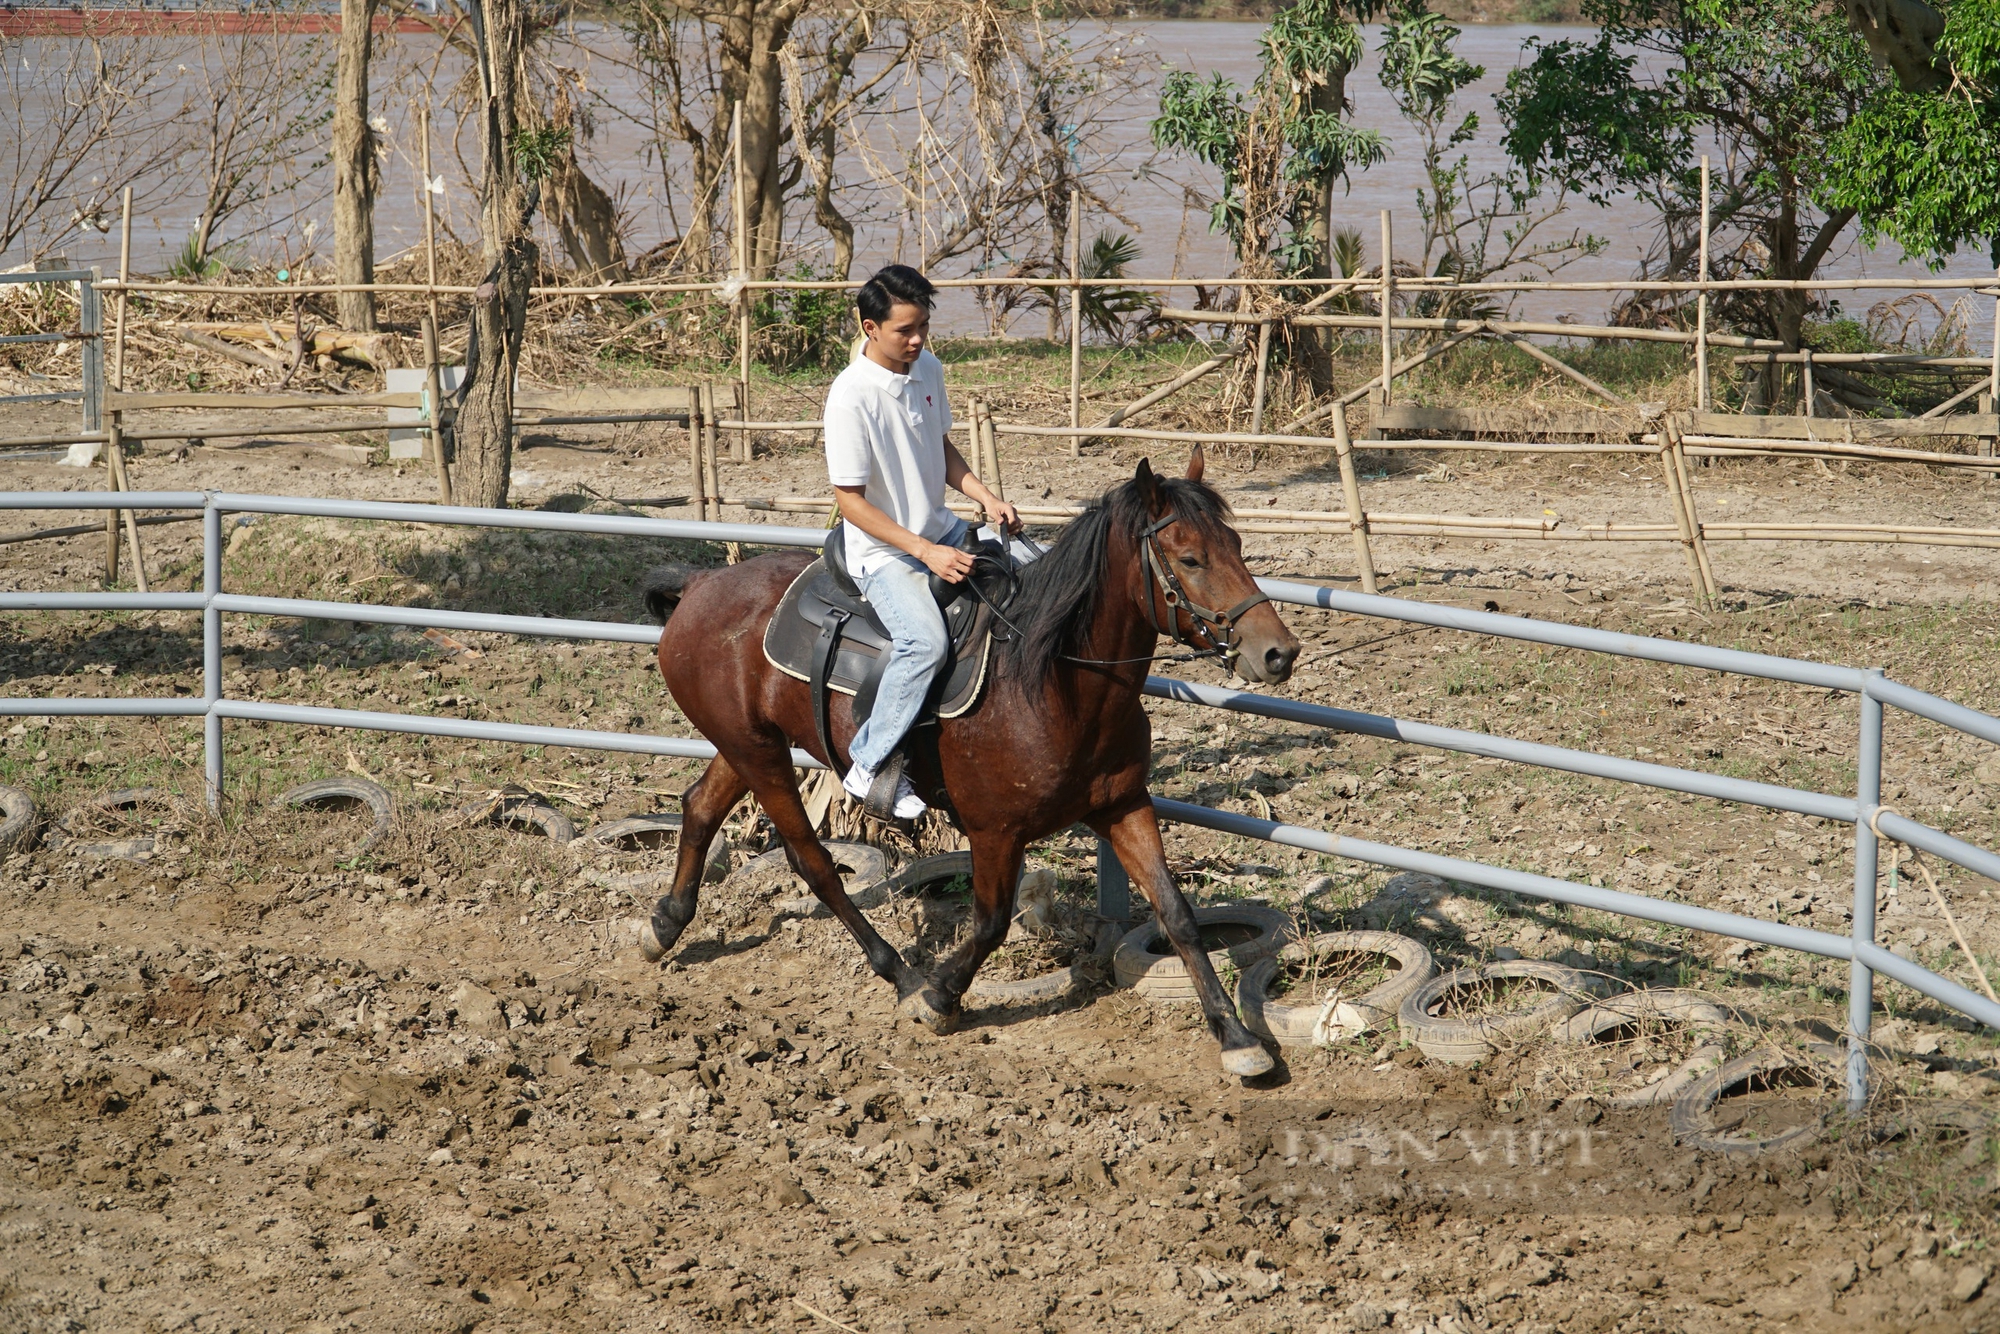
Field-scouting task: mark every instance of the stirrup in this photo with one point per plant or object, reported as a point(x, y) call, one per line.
point(881, 799)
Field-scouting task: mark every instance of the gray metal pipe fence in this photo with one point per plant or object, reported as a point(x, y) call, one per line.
point(89, 333)
point(1863, 810)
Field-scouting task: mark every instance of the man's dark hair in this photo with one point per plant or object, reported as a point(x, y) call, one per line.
point(893, 283)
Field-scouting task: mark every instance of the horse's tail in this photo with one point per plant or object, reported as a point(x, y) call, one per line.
point(660, 588)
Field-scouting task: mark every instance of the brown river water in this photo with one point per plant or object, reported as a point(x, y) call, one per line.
point(1148, 187)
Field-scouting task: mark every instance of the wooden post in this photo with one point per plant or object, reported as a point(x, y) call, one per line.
point(1075, 321)
point(114, 457)
point(430, 232)
point(434, 407)
point(124, 275)
point(1263, 379)
point(1703, 400)
point(1388, 301)
point(1806, 379)
point(742, 272)
point(1350, 485)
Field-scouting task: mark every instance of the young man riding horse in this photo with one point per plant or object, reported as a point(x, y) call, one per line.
point(1059, 733)
point(889, 456)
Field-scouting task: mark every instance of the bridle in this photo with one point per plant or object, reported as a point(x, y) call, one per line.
point(1216, 630)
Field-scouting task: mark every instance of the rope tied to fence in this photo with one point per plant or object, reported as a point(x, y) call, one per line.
point(1916, 859)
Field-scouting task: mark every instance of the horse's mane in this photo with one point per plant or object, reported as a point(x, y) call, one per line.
point(1060, 593)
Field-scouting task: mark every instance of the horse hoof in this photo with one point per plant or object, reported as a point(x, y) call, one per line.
point(921, 1006)
point(650, 944)
point(1247, 1062)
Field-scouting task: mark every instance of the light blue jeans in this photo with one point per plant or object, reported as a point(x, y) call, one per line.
point(900, 593)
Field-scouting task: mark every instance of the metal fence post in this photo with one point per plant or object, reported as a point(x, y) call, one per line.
point(1114, 888)
point(1860, 979)
point(211, 649)
point(90, 323)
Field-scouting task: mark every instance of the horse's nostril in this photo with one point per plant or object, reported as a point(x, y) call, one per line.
point(1278, 661)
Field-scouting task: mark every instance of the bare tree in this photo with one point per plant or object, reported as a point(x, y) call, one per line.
point(254, 119)
point(356, 173)
point(85, 117)
point(484, 431)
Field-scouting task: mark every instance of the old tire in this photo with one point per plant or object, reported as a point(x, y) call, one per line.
point(123, 849)
point(862, 867)
point(1147, 964)
point(1464, 1041)
point(18, 828)
point(1324, 1024)
point(521, 810)
point(1693, 1121)
point(654, 832)
point(1030, 990)
point(1667, 1006)
point(346, 792)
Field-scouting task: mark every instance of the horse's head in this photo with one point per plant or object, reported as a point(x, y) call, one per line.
point(1195, 585)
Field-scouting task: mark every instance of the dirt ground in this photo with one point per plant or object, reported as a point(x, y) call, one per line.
point(260, 1082)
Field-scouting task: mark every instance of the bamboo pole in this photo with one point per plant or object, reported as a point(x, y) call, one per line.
point(1444, 324)
point(1360, 392)
point(1350, 487)
point(1388, 298)
point(1430, 284)
point(1806, 381)
point(997, 482)
point(430, 221)
point(124, 273)
point(1166, 391)
point(1075, 320)
point(114, 455)
point(1674, 469)
point(1991, 444)
point(1565, 369)
point(742, 272)
point(1263, 378)
point(1702, 399)
point(434, 407)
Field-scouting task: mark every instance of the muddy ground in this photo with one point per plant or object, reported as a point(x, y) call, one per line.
point(260, 1082)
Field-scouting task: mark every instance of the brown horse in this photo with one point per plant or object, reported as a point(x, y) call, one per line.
point(1060, 736)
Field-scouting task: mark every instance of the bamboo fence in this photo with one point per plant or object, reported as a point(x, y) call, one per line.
point(1669, 441)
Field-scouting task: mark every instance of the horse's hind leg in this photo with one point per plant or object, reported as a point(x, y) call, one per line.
point(704, 808)
point(1135, 836)
point(778, 792)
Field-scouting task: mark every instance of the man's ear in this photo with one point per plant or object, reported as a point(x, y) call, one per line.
point(1195, 462)
point(1148, 484)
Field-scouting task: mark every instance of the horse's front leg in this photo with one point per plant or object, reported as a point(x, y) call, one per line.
point(996, 873)
point(1135, 836)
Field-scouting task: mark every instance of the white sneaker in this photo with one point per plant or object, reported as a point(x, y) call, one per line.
point(908, 804)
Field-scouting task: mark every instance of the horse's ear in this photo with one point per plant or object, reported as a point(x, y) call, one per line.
point(1148, 484)
point(1195, 462)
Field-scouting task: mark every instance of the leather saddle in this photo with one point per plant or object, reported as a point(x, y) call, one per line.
point(825, 634)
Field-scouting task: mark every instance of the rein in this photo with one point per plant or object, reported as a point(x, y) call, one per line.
point(1166, 585)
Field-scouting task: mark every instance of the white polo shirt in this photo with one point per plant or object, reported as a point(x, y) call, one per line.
point(885, 432)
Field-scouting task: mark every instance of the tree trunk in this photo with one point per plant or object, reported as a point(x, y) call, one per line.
point(587, 217)
point(356, 175)
point(484, 432)
point(1313, 348)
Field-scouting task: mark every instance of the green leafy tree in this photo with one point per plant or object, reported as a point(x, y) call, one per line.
point(1920, 162)
point(1475, 223)
point(1283, 146)
point(1769, 82)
